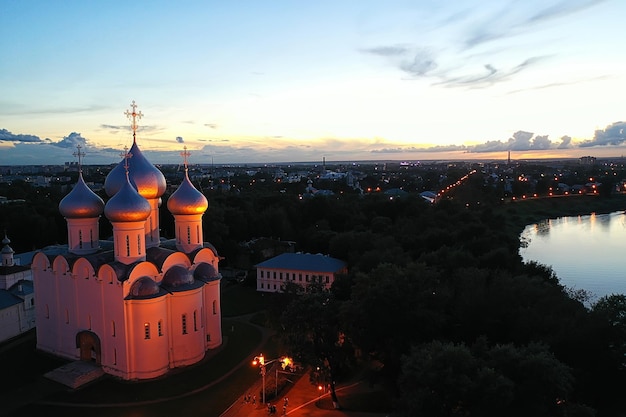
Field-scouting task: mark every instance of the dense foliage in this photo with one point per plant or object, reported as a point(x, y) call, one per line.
point(437, 298)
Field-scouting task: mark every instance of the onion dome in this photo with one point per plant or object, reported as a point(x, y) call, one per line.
point(187, 199)
point(81, 202)
point(6, 240)
point(147, 179)
point(144, 287)
point(7, 250)
point(127, 205)
point(177, 276)
point(205, 272)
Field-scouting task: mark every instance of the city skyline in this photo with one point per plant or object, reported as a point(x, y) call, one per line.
point(287, 81)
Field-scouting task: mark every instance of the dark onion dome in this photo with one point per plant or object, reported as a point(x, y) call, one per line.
point(6, 240)
point(127, 205)
point(147, 179)
point(187, 199)
point(81, 202)
point(205, 272)
point(144, 287)
point(177, 276)
point(7, 249)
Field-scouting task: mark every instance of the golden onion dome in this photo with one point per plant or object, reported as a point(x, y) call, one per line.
point(147, 179)
point(127, 205)
point(81, 202)
point(187, 199)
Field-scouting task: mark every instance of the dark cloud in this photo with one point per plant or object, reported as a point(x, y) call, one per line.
point(566, 142)
point(614, 134)
point(520, 141)
point(431, 149)
point(388, 51)
point(179, 139)
point(10, 137)
point(71, 141)
point(490, 76)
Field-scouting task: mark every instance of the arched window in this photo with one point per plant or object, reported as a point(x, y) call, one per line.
point(195, 320)
point(184, 319)
point(146, 330)
point(127, 245)
point(112, 328)
point(160, 327)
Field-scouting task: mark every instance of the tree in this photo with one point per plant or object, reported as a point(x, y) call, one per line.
point(313, 336)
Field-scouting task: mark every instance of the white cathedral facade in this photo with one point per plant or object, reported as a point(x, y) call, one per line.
point(138, 306)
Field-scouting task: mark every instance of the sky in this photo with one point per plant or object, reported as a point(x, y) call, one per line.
point(298, 81)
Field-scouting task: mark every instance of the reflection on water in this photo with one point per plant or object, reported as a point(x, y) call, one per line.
point(585, 252)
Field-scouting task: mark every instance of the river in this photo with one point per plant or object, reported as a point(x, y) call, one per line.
point(586, 252)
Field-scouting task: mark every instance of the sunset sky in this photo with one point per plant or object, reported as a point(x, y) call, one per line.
point(279, 81)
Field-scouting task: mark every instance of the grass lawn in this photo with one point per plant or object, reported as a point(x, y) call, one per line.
point(227, 365)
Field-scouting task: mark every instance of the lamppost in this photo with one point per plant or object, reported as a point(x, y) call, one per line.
point(260, 360)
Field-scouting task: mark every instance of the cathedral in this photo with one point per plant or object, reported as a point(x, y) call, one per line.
point(137, 305)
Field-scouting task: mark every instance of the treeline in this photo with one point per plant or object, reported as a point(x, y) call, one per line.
point(440, 300)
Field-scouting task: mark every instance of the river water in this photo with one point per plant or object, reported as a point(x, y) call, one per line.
point(585, 252)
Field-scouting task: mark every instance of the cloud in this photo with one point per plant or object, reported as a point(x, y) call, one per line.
point(5, 135)
point(614, 134)
point(566, 142)
point(520, 141)
point(71, 141)
point(211, 125)
point(179, 139)
point(490, 76)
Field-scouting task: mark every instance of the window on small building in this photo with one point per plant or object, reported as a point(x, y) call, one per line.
point(274, 274)
point(146, 330)
point(300, 277)
point(262, 273)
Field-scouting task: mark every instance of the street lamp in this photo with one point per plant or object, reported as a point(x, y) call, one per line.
point(260, 360)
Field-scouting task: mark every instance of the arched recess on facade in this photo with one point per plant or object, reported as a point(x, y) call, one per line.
point(89, 344)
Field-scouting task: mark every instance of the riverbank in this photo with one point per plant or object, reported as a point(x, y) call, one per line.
point(522, 213)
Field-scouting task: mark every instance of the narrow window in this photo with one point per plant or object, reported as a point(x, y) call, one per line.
point(215, 304)
point(280, 276)
point(197, 233)
point(327, 279)
point(139, 244)
point(160, 327)
point(208, 337)
point(300, 277)
point(146, 330)
point(261, 285)
point(112, 328)
point(127, 245)
point(274, 274)
point(262, 274)
point(184, 324)
point(114, 356)
point(274, 286)
point(47, 312)
point(89, 321)
point(195, 321)
point(188, 234)
point(67, 317)
point(151, 231)
point(80, 239)
point(91, 237)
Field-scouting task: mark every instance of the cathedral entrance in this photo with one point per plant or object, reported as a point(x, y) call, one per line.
point(89, 344)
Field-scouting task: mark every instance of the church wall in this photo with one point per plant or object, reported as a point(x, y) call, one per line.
point(10, 322)
point(212, 314)
point(113, 333)
point(187, 334)
point(46, 312)
point(148, 337)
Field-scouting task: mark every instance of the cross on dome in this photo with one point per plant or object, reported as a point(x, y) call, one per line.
point(79, 154)
point(134, 116)
point(126, 155)
point(185, 154)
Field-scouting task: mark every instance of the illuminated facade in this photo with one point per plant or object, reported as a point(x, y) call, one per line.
point(139, 305)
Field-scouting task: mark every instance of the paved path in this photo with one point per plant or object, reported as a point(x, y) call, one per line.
point(304, 401)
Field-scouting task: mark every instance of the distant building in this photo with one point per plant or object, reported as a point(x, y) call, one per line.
point(587, 160)
point(298, 268)
point(17, 303)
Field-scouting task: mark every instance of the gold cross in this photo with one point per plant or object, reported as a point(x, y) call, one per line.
point(185, 154)
point(126, 155)
point(133, 115)
point(79, 154)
